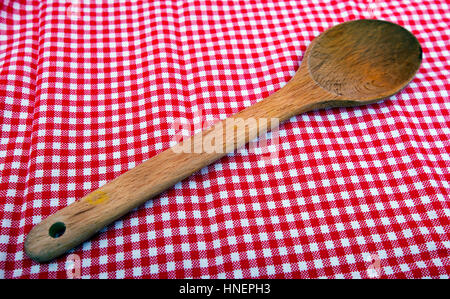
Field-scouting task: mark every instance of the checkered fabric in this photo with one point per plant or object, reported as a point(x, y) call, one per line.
point(90, 88)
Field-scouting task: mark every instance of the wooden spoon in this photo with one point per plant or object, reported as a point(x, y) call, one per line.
point(354, 63)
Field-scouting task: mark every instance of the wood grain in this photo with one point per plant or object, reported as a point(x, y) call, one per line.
point(375, 59)
point(351, 64)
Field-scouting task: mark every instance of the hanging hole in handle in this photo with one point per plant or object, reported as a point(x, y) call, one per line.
point(57, 230)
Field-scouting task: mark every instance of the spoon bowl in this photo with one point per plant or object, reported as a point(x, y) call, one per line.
point(364, 60)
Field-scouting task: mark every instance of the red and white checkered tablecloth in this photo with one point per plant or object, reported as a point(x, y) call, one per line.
point(90, 88)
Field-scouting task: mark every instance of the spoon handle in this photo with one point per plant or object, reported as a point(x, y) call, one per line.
point(77, 222)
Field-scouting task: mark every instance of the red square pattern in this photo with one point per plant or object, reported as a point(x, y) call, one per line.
point(89, 89)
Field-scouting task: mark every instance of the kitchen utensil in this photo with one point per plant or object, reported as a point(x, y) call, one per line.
point(351, 64)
